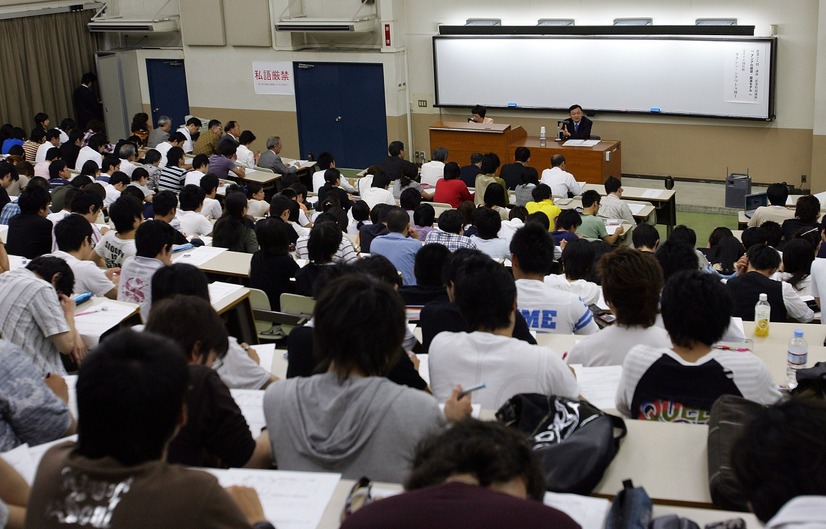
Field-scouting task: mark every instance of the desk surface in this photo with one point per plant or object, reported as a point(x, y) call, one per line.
point(636, 193)
point(235, 264)
point(573, 203)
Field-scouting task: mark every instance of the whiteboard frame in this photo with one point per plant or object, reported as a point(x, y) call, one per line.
point(768, 116)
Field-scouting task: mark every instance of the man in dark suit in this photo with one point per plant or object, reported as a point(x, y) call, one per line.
point(468, 173)
point(577, 127)
point(519, 172)
point(87, 105)
point(395, 165)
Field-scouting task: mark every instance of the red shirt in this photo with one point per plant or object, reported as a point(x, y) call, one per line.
point(452, 192)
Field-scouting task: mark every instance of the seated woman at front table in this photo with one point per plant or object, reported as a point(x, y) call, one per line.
point(477, 115)
point(451, 190)
point(233, 230)
point(681, 383)
point(350, 418)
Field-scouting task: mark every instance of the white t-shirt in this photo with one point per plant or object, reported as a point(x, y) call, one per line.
point(804, 285)
point(40, 156)
point(495, 248)
point(127, 167)
point(818, 286)
point(244, 156)
point(507, 365)
point(211, 209)
point(193, 178)
point(610, 345)
point(693, 387)
point(112, 194)
point(551, 310)
point(87, 153)
point(193, 224)
point(115, 250)
point(57, 217)
point(238, 371)
point(376, 195)
point(560, 182)
point(135, 284)
point(589, 292)
point(88, 277)
point(163, 148)
point(257, 208)
point(432, 172)
point(187, 146)
point(509, 228)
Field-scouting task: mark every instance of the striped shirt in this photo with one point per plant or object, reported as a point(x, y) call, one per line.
point(172, 179)
point(345, 253)
point(30, 149)
point(30, 314)
point(9, 210)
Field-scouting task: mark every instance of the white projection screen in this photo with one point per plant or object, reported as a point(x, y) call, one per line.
point(706, 76)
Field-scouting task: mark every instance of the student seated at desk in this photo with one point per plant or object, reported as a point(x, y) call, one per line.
point(216, 433)
point(30, 232)
point(806, 212)
point(233, 230)
point(476, 474)
point(579, 261)
point(430, 260)
point(545, 308)
point(631, 284)
point(116, 245)
point(349, 418)
point(593, 227)
point(487, 176)
point(132, 396)
point(192, 223)
point(332, 179)
point(451, 190)
point(74, 240)
point(240, 368)
point(153, 241)
point(486, 294)
point(543, 203)
point(451, 232)
point(272, 266)
point(488, 223)
point(753, 278)
point(646, 238)
point(376, 227)
point(611, 206)
point(322, 245)
point(681, 383)
point(776, 210)
point(780, 466)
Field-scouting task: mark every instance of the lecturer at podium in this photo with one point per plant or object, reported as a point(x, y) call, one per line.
point(477, 115)
point(576, 127)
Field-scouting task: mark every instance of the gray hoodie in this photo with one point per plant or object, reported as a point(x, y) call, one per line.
point(360, 426)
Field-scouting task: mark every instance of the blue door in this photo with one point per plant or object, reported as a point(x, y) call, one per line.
point(167, 90)
point(341, 110)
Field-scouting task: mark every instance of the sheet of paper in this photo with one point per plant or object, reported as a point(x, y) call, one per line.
point(476, 410)
point(611, 228)
point(99, 318)
point(4, 232)
point(588, 512)
point(599, 384)
point(424, 367)
point(218, 290)
point(198, 256)
point(291, 500)
point(636, 208)
point(36, 452)
point(71, 384)
point(574, 143)
point(652, 193)
point(266, 353)
point(251, 403)
point(21, 460)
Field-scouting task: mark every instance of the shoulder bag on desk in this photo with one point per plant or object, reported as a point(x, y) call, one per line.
point(729, 414)
point(574, 440)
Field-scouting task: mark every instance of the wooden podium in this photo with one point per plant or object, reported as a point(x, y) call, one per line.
point(463, 139)
point(591, 164)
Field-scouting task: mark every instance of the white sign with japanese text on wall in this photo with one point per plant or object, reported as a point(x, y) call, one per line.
point(273, 78)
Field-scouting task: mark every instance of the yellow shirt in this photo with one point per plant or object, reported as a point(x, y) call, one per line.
point(548, 208)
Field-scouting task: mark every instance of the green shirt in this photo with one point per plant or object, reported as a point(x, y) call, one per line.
point(592, 227)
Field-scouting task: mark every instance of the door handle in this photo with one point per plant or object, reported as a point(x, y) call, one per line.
point(338, 119)
point(156, 110)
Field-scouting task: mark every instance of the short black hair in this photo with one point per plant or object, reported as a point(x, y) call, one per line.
point(177, 137)
point(109, 161)
point(153, 237)
point(325, 159)
point(130, 394)
point(430, 261)
point(192, 323)
point(32, 199)
point(200, 160)
point(684, 234)
point(488, 308)
point(573, 107)
point(272, 236)
point(55, 169)
point(119, 177)
point(281, 203)
point(324, 240)
point(52, 134)
point(490, 163)
point(487, 222)
point(424, 215)
point(533, 247)
point(163, 202)
point(763, 257)
point(452, 171)
point(133, 191)
point(495, 195)
point(37, 135)
point(612, 185)
point(209, 182)
point(568, 218)
point(213, 123)
point(344, 308)
point(395, 148)
point(410, 199)
point(774, 232)
point(379, 213)
point(227, 148)
point(39, 118)
point(490, 452)
point(479, 109)
point(631, 281)
point(589, 198)
point(645, 235)
point(152, 156)
point(86, 201)
point(71, 231)
point(541, 192)
point(174, 156)
point(451, 221)
point(7, 168)
point(696, 308)
point(522, 154)
point(124, 211)
point(380, 179)
point(777, 194)
point(47, 267)
point(676, 256)
point(397, 220)
point(578, 259)
point(378, 267)
point(754, 235)
point(191, 197)
point(539, 217)
point(807, 208)
point(781, 454)
point(246, 137)
point(299, 188)
point(331, 175)
point(179, 278)
point(194, 121)
point(139, 173)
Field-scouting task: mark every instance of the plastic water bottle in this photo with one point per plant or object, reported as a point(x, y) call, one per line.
point(762, 311)
point(542, 137)
point(796, 358)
